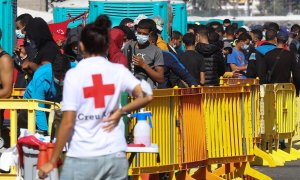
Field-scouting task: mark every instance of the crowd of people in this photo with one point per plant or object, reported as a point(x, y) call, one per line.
point(95, 63)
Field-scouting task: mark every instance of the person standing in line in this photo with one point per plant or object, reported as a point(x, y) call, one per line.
point(91, 114)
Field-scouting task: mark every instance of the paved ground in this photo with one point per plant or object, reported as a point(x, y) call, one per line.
point(290, 171)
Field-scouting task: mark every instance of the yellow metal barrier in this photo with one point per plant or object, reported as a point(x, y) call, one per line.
point(229, 133)
point(280, 121)
point(257, 116)
point(18, 92)
point(24, 104)
point(179, 131)
point(164, 133)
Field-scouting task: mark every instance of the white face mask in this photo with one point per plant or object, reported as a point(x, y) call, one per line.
point(123, 45)
point(141, 39)
point(245, 46)
point(19, 34)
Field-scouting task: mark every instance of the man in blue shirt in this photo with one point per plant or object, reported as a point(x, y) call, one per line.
point(237, 59)
point(46, 84)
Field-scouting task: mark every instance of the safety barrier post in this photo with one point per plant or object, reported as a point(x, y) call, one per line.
point(229, 132)
point(21, 104)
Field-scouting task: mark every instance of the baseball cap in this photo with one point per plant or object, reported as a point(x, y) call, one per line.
point(159, 22)
point(281, 35)
point(139, 18)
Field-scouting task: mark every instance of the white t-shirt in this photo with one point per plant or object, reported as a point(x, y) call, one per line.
point(93, 89)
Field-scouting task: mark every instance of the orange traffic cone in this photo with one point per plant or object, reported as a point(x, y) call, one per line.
point(42, 157)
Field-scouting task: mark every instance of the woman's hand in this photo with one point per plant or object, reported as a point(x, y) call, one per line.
point(112, 121)
point(44, 170)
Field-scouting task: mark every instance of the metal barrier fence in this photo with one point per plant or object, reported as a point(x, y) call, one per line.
point(200, 127)
point(24, 104)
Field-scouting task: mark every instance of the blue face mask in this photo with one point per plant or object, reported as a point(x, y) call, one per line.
point(142, 39)
point(19, 34)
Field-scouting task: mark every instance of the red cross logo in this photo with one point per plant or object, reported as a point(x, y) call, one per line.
point(98, 91)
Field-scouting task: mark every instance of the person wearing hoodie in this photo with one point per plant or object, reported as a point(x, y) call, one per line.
point(71, 50)
point(212, 55)
point(40, 37)
point(260, 52)
point(42, 86)
point(116, 43)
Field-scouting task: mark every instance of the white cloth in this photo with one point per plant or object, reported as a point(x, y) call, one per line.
point(88, 138)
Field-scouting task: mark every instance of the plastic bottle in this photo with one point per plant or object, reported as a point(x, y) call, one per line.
point(141, 131)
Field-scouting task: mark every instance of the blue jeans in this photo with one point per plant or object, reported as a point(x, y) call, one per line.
point(108, 167)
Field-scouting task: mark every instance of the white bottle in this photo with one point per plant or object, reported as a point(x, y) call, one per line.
point(142, 133)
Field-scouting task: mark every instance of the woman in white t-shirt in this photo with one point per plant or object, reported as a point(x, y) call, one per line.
point(91, 113)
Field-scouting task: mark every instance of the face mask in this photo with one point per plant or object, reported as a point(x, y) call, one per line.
point(19, 34)
point(75, 51)
point(32, 44)
point(245, 46)
point(142, 39)
point(56, 81)
point(264, 34)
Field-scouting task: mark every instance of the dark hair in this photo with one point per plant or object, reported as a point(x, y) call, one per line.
point(271, 34)
point(214, 23)
point(241, 30)
point(244, 37)
point(202, 30)
point(104, 21)
point(126, 21)
point(146, 24)
point(219, 29)
point(226, 21)
point(154, 36)
point(95, 36)
point(24, 19)
point(192, 26)
point(229, 30)
point(295, 28)
point(189, 39)
point(235, 25)
point(274, 26)
point(60, 66)
point(127, 31)
point(176, 35)
point(213, 37)
point(257, 33)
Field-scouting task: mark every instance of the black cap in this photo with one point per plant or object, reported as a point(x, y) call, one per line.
point(282, 36)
